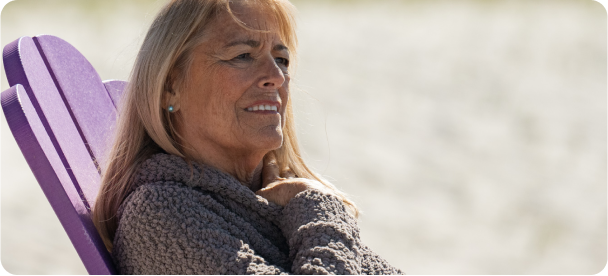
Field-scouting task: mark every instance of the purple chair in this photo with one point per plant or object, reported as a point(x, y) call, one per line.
point(62, 116)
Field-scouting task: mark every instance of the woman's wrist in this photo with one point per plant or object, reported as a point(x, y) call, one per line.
point(312, 206)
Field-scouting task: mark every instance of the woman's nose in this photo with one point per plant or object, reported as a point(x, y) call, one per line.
point(272, 76)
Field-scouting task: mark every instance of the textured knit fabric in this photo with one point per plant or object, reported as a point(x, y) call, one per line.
point(185, 218)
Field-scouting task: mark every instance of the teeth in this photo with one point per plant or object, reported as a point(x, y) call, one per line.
point(262, 107)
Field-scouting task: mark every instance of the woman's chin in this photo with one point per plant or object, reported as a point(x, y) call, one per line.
point(270, 139)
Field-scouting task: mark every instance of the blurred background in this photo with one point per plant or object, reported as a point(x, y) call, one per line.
point(472, 134)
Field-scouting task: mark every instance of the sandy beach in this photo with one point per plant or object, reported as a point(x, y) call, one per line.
point(471, 134)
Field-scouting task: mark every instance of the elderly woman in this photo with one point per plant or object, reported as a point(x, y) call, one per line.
point(205, 175)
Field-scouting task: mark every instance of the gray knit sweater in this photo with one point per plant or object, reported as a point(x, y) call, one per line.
point(204, 221)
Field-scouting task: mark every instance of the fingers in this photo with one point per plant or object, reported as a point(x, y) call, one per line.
point(282, 192)
point(270, 171)
point(273, 194)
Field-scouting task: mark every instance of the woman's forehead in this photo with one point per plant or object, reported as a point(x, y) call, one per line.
point(253, 29)
point(253, 13)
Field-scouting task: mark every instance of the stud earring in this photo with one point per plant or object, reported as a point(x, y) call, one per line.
point(170, 108)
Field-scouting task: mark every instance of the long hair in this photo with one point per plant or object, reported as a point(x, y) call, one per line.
point(145, 128)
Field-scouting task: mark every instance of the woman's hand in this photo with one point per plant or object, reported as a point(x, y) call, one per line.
point(280, 186)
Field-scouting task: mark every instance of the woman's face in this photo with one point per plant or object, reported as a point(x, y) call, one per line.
point(236, 91)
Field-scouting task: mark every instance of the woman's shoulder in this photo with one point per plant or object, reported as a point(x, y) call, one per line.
point(162, 167)
point(160, 200)
point(164, 180)
point(160, 182)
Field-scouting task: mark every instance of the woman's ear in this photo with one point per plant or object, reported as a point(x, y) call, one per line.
point(171, 100)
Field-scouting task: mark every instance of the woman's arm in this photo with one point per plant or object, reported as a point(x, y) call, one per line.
point(324, 239)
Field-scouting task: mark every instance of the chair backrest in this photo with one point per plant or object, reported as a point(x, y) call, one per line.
point(62, 116)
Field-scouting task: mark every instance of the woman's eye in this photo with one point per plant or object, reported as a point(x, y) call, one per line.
point(245, 56)
point(282, 61)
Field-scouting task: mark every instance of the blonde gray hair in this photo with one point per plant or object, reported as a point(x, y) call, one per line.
point(144, 127)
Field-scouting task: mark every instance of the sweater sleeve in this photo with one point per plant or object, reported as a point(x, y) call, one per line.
point(159, 233)
point(324, 239)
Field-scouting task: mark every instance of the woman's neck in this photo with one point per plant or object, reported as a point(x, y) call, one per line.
point(246, 168)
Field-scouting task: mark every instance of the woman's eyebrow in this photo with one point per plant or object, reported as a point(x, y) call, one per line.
point(280, 47)
point(250, 43)
point(254, 44)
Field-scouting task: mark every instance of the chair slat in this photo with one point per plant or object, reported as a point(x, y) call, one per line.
point(83, 92)
point(48, 168)
point(31, 72)
point(115, 89)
